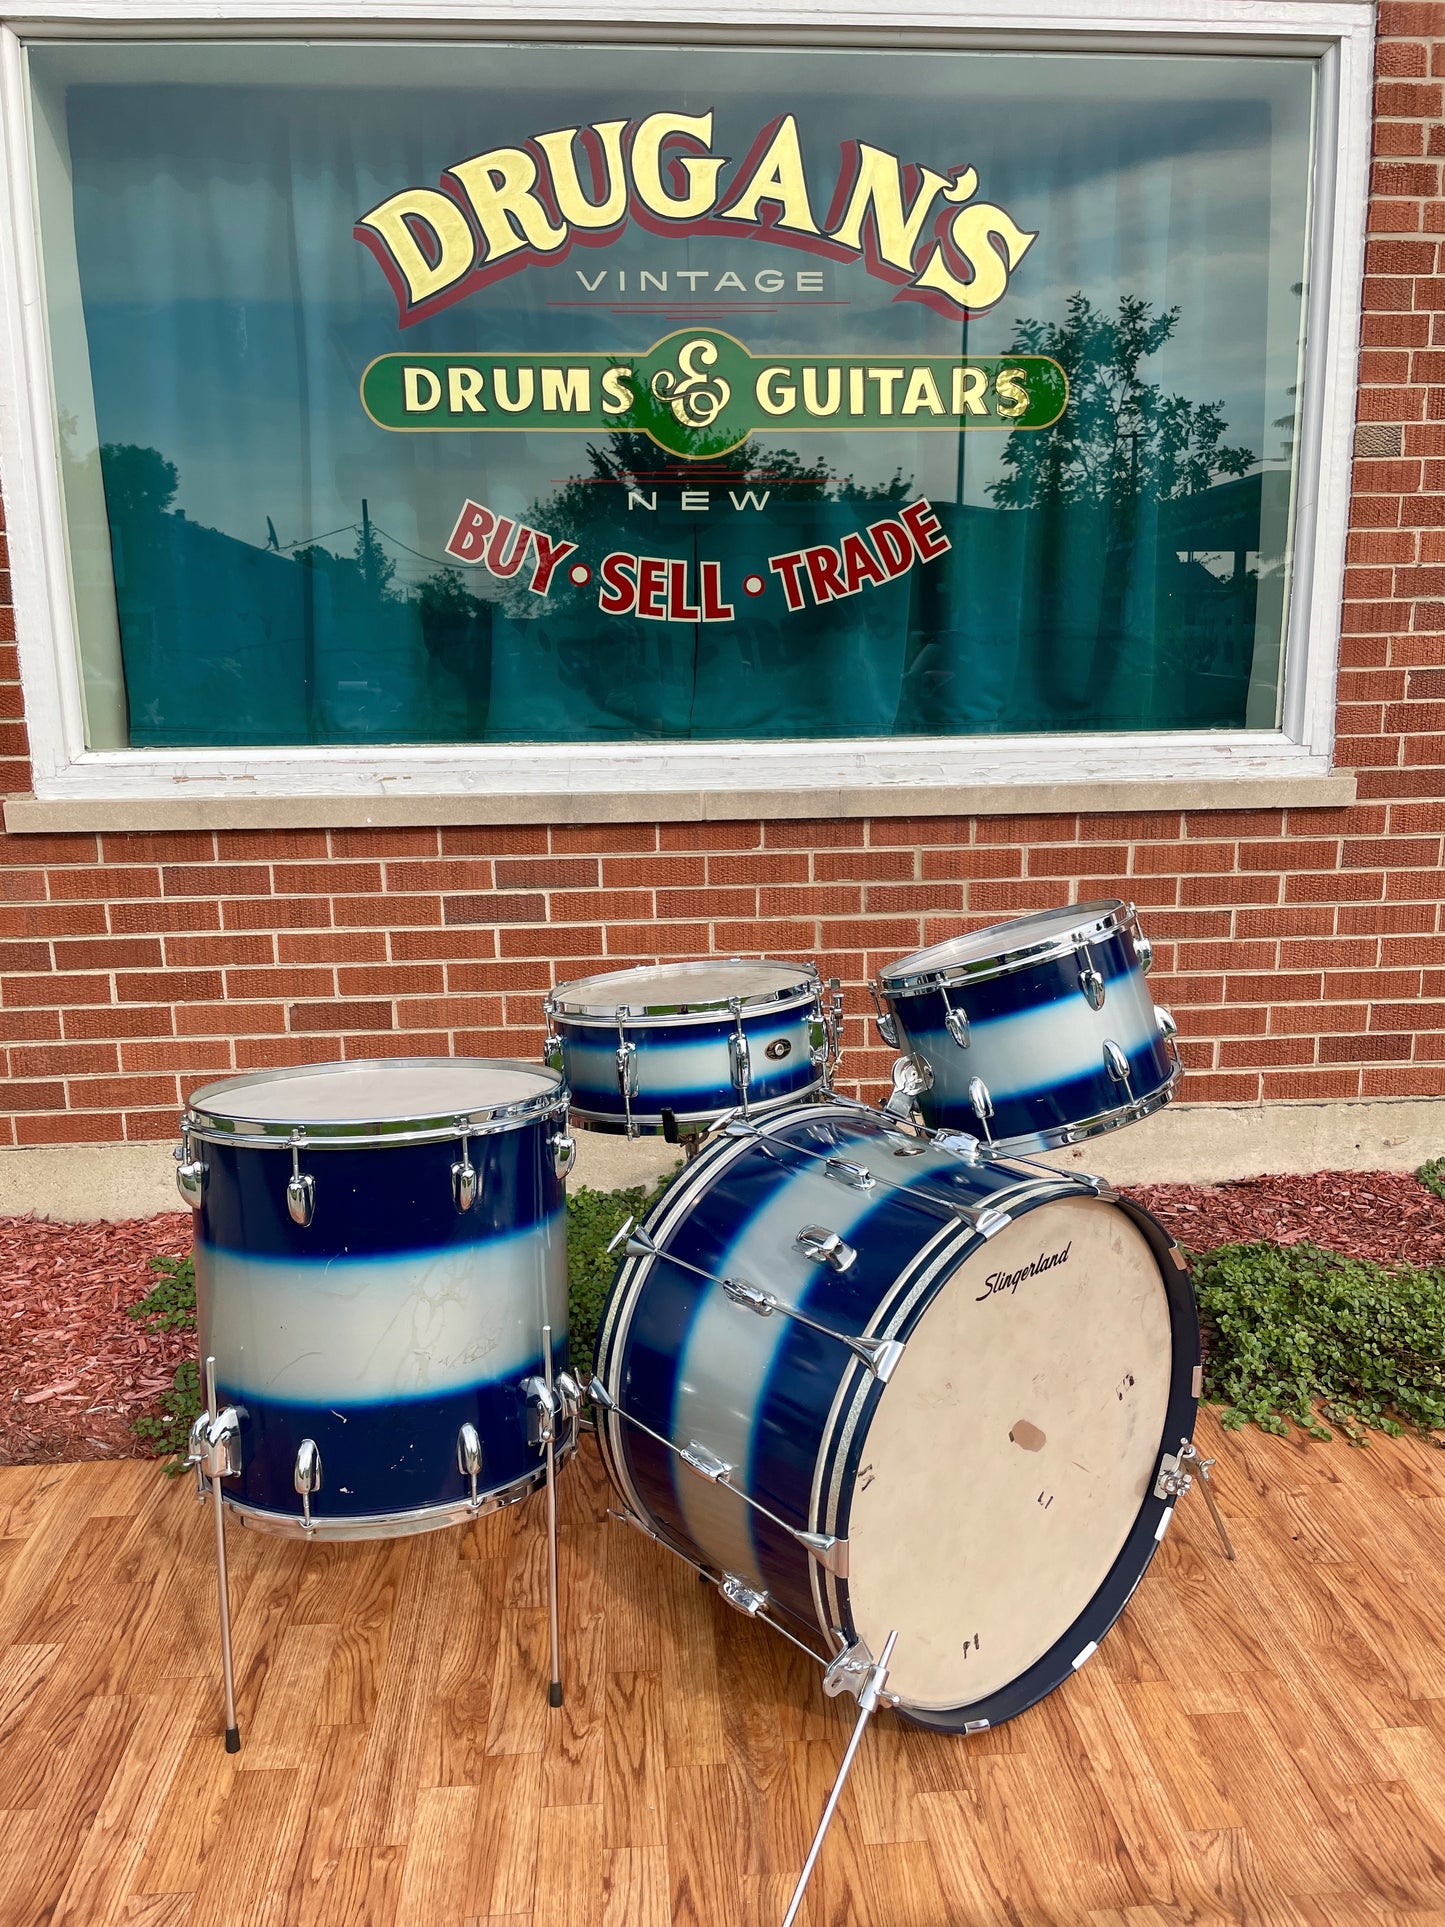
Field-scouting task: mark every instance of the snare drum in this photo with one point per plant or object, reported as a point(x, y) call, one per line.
point(870, 1385)
point(679, 1045)
point(378, 1248)
point(1033, 1034)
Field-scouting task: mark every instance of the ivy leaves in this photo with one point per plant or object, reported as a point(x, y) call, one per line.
point(1294, 1333)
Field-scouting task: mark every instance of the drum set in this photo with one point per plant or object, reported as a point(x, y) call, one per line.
point(913, 1399)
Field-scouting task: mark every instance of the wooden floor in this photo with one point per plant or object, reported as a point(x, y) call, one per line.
point(1262, 1742)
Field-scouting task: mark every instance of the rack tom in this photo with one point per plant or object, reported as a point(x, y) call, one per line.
point(1033, 1034)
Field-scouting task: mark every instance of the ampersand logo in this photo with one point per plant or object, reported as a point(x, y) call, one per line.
point(694, 398)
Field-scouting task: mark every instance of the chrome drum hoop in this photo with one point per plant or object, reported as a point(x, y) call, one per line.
point(215, 1127)
point(1061, 1136)
point(1117, 918)
point(607, 1017)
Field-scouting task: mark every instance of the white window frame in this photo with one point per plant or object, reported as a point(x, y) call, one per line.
point(535, 780)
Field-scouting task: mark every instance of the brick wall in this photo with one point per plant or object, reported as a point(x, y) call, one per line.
point(1302, 951)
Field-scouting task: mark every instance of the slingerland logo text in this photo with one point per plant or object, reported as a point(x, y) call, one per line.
point(516, 207)
point(1000, 1281)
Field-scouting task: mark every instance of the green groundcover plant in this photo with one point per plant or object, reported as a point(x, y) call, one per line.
point(1296, 1333)
point(593, 1218)
point(1292, 1333)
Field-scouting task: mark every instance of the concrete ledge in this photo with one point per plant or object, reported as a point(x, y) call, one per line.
point(58, 815)
point(1188, 1143)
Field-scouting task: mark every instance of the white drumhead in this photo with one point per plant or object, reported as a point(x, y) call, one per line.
point(705, 984)
point(375, 1091)
point(1001, 939)
point(1011, 1452)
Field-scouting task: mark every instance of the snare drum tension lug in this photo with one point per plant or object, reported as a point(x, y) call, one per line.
point(884, 1019)
point(740, 1063)
point(956, 1024)
point(190, 1171)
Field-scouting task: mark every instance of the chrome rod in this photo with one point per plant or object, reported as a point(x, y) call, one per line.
point(830, 1551)
point(554, 1691)
point(969, 1214)
point(868, 1698)
point(228, 1676)
point(630, 1518)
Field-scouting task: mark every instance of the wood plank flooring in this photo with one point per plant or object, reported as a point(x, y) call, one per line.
point(1260, 1743)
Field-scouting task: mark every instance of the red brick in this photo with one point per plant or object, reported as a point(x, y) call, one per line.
point(200, 1056)
point(62, 1060)
point(332, 946)
point(52, 919)
point(1231, 1088)
point(274, 913)
point(272, 846)
point(1416, 1081)
point(25, 1096)
point(1415, 1015)
point(593, 838)
point(54, 991)
point(128, 1021)
point(275, 980)
point(1237, 889)
point(198, 952)
point(224, 1020)
point(104, 883)
point(519, 839)
point(1293, 920)
point(431, 1043)
point(1183, 859)
point(1342, 886)
point(1256, 1053)
point(386, 912)
point(495, 908)
point(1320, 1085)
point(424, 946)
point(1273, 987)
point(585, 906)
point(890, 831)
point(449, 874)
point(1021, 829)
point(1384, 919)
point(770, 867)
point(710, 836)
point(89, 1094)
point(389, 980)
point(167, 846)
point(1259, 955)
point(166, 986)
point(375, 844)
point(29, 1026)
point(1004, 898)
point(1074, 859)
point(846, 833)
point(556, 940)
point(338, 1014)
point(972, 861)
point(209, 880)
point(888, 866)
point(154, 916)
point(665, 940)
point(1340, 953)
point(71, 1127)
point(264, 1053)
point(884, 899)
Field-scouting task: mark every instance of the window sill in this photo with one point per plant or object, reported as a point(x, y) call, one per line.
point(60, 814)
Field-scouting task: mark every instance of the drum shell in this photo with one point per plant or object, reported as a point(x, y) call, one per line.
point(1037, 1043)
point(683, 1064)
point(384, 1325)
point(808, 1409)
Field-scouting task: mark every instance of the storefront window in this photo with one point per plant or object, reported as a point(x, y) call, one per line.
point(505, 394)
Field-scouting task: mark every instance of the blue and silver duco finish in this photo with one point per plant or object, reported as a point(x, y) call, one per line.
point(379, 1247)
point(673, 1047)
point(1033, 1034)
point(870, 1384)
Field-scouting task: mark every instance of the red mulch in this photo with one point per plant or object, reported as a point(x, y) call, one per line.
point(77, 1371)
point(1386, 1216)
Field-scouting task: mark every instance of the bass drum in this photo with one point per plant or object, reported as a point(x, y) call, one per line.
point(870, 1384)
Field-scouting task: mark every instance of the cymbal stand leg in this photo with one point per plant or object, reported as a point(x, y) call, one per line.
point(1206, 1486)
point(554, 1691)
point(846, 1674)
point(215, 1453)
